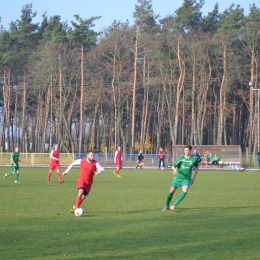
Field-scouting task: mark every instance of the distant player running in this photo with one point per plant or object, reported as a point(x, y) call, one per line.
point(140, 160)
point(15, 165)
point(182, 167)
point(55, 163)
point(88, 167)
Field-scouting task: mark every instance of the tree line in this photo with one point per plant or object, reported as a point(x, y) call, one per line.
point(161, 81)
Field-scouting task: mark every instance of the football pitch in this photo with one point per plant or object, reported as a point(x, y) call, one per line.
point(123, 219)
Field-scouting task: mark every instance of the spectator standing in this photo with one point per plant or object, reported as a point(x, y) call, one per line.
point(161, 159)
point(204, 162)
point(258, 157)
point(196, 155)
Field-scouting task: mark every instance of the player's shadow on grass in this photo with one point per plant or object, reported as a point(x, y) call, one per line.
point(216, 208)
point(179, 210)
point(127, 212)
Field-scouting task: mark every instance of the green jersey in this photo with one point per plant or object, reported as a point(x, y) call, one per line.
point(15, 157)
point(215, 158)
point(184, 166)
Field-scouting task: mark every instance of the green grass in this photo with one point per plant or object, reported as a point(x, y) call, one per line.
point(218, 219)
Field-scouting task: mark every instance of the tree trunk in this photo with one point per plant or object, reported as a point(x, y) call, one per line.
point(179, 89)
point(115, 99)
point(60, 89)
point(23, 114)
point(145, 106)
point(7, 112)
point(134, 94)
point(221, 99)
point(81, 123)
point(193, 100)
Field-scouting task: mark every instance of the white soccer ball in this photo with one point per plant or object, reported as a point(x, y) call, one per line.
point(79, 212)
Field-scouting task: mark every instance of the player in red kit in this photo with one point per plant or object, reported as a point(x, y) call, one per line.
point(88, 167)
point(118, 161)
point(55, 163)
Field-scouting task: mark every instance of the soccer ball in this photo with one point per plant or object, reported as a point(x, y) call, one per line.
point(79, 212)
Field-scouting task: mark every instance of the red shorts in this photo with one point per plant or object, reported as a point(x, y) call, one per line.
point(83, 185)
point(55, 165)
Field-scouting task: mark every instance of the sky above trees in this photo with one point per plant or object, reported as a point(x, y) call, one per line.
point(108, 10)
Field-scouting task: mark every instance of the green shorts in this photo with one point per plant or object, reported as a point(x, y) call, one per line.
point(15, 168)
point(177, 182)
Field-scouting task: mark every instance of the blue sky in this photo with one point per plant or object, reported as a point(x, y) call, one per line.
point(110, 10)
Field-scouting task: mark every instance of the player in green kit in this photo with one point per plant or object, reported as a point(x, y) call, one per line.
point(182, 167)
point(15, 165)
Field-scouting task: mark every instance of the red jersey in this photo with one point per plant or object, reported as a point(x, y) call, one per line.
point(87, 171)
point(55, 155)
point(118, 158)
point(161, 154)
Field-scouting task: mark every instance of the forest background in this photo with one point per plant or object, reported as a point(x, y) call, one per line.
point(181, 79)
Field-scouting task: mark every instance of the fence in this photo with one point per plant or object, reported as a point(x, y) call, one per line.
point(129, 160)
point(230, 155)
point(225, 152)
point(107, 160)
point(36, 159)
